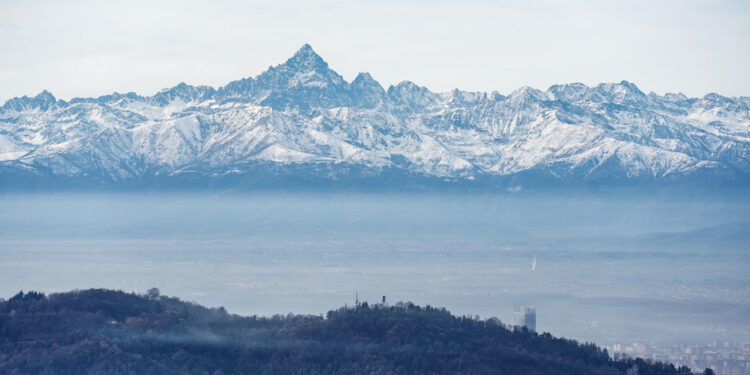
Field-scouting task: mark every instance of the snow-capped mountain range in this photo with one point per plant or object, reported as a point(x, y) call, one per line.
point(302, 120)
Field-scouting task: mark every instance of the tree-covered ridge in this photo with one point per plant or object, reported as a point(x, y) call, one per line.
point(111, 332)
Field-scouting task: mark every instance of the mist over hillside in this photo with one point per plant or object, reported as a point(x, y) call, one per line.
point(109, 332)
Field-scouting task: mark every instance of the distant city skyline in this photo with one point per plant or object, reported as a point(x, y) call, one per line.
point(724, 357)
point(83, 48)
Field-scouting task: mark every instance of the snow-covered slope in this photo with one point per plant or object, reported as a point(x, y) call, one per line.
point(303, 117)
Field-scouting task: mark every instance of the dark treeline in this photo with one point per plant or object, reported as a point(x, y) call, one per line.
point(110, 332)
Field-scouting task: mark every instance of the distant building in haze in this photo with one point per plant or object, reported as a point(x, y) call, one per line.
point(525, 316)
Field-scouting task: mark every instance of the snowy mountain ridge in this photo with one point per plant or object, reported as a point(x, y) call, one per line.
point(304, 120)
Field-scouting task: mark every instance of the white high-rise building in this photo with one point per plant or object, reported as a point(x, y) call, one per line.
point(525, 316)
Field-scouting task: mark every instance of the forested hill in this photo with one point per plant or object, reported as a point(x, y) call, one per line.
point(112, 332)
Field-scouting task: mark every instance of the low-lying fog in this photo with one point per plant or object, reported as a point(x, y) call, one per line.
point(643, 269)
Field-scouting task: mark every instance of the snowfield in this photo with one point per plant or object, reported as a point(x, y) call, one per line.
point(305, 114)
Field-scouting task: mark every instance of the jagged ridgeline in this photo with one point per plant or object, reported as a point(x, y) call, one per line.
point(111, 332)
point(301, 123)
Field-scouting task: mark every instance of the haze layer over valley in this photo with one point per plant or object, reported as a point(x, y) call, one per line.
point(597, 268)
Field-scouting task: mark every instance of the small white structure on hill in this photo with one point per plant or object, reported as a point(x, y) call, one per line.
point(525, 316)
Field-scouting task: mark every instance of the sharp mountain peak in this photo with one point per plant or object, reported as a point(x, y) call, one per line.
point(303, 119)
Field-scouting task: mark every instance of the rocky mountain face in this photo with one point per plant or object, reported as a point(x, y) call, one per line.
point(303, 121)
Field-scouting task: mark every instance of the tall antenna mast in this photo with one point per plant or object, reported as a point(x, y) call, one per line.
point(356, 298)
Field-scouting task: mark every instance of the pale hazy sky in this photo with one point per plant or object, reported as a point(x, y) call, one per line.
point(94, 47)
